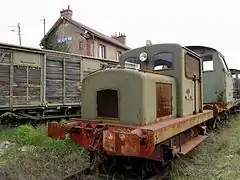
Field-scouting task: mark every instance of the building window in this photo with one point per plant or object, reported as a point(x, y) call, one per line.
point(64, 39)
point(118, 54)
point(102, 51)
point(80, 45)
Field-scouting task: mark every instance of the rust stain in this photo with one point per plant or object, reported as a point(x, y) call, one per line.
point(171, 127)
point(192, 66)
point(58, 131)
point(164, 99)
point(218, 106)
point(121, 142)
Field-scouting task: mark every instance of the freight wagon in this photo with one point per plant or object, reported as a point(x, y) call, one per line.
point(41, 84)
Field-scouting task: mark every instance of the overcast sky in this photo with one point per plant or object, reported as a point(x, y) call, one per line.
point(209, 23)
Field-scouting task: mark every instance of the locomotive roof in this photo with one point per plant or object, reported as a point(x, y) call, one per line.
point(200, 47)
point(234, 71)
point(209, 48)
point(203, 47)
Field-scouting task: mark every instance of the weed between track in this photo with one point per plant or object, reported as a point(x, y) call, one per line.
point(217, 158)
point(34, 156)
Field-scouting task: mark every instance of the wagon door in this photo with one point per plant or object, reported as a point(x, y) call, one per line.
point(5, 57)
point(25, 79)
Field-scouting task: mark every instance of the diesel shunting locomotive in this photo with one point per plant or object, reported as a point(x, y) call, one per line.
point(155, 112)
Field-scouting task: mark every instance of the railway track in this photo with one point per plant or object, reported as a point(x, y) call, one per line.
point(144, 171)
point(88, 174)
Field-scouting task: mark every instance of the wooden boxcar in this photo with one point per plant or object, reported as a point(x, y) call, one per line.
point(38, 84)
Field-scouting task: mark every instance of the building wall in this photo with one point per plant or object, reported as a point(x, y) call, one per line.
point(68, 30)
point(72, 34)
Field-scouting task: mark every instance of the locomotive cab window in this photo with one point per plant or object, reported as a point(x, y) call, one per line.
point(132, 63)
point(163, 61)
point(225, 68)
point(107, 103)
point(207, 63)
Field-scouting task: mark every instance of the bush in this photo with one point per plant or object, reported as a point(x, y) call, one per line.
point(26, 135)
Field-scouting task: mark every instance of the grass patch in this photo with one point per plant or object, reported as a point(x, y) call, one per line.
point(35, 156)
point(218, 158)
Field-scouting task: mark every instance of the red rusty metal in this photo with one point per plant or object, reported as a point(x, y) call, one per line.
point(58, 131)
point(218, 107)
point(164, 99)
point(212, 107)
point(191, 144)
point(96, 142)
point(123, 143)
point(192, 66)
point(116, 139)
point(166, 129)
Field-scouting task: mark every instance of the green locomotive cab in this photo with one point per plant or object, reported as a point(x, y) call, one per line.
point(175, 61)
point(217, 79)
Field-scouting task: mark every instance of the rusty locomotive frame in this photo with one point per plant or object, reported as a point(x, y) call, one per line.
point(154, 113)
point(41, 84)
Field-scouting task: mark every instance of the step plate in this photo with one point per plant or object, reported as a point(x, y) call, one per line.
point(188, 146)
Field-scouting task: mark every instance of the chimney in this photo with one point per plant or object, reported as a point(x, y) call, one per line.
point(121, 37)
point(66, 13)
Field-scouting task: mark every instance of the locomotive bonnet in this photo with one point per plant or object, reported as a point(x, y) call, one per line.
point(126, 96)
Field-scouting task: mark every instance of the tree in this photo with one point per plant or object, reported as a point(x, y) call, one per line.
point(51, 43)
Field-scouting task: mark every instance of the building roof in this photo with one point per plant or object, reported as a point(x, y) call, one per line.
point(84, 27)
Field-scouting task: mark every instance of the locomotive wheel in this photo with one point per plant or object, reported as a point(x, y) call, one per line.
point(225, 116)
point(161, 170)
point(213, 123)
point(157, 167)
